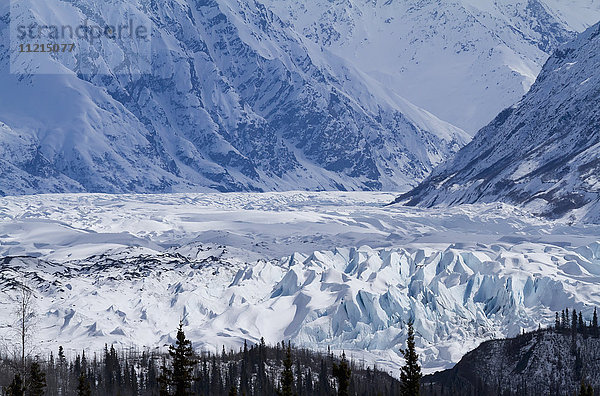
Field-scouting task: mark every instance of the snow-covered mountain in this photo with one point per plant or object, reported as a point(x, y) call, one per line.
point(239, 99)
point(235, 101)
point(462, 60)
point(543, 152)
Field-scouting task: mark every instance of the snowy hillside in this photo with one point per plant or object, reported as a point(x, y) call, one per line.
point(542, 153)
point(234, 101)
point(463, 60)
point(124, 269)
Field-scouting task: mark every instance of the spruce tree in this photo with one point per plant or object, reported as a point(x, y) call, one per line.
point(37, 380)
point(83, 386)
point(595, 324)
point(410, 373)
point(343, 374)
point(183, 362)
point(216, 383)
point(308, 382)
point(287, 376)
point(557, 323)
point(151, 377)
point(586, 390)
point(133, 381)
point(262, 360)
point(16, 387)
point(324, 388)
point(245, 371)
point(164, 379)
point(62, 360)
point(299, 378)
point(84, 365)
point(574, 327)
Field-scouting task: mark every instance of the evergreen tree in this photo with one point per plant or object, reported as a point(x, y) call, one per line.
point(216, 383)
point(77, 366)
point(83, 386)
point(205, 381)
point(262, 360)
point(324, 388)
point(133, 381)
point(410, 373)
point(37, 380)
point(557, 322)
point(287, 376)
point(574, 328)
point(299, 379)
point(112, 370)
point(62, 360)
point(580, 323)
point(84, 365)
point(595, 324)
point(180, 377)
point(151, 377)
point(164, 379)
point(586, 390)
point(308, 383)
point(244, 371)
point(16, 387)
point(343, 374)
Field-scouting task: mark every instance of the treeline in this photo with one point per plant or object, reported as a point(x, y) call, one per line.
point(575, 324)
point(257, 369)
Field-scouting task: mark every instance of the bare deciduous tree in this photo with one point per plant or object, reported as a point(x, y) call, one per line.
point(24, 321)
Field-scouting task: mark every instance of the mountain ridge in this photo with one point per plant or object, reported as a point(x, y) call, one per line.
point(541, 153)
point(462, 60)
point(235, 102)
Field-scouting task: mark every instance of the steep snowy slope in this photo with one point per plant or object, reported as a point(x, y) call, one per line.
point(543, 152)
point(463, 60)
point(234, 101)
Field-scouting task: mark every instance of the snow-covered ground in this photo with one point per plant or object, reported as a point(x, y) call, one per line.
point(322, 269)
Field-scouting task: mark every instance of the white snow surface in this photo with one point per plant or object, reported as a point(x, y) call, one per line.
point(319, 269)
point(462, 60)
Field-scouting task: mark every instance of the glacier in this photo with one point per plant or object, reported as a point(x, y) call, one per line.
point(337, 270)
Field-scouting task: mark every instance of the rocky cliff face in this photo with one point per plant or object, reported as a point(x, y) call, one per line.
point(540, 363)
point(543, 152)
point(235, 101)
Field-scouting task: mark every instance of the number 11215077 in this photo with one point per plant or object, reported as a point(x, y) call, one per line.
point(46, 47)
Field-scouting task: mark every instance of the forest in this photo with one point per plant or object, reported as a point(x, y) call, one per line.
point(258, 369)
